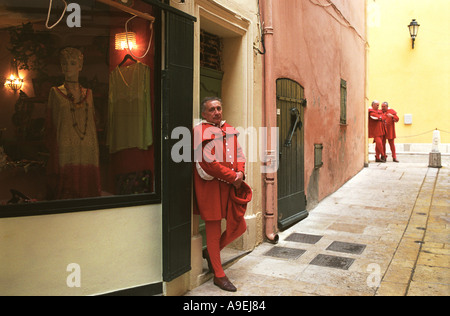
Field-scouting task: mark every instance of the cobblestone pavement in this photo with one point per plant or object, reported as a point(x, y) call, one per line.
point(385, 232)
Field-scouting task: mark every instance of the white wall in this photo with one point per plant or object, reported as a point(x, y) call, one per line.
point(115, 249)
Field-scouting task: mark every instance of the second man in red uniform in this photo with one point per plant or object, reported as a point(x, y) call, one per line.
point(390, 118)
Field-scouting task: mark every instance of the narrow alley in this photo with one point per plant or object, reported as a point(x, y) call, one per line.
point(126, 125)
point(385, 232)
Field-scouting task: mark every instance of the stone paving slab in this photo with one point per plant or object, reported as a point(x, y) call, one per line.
point(399, 212)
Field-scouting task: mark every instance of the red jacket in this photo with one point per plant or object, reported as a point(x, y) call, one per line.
point(390, 123)
point(217, 158)
point(376, 126)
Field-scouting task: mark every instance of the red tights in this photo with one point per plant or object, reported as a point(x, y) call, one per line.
point(379, 148)
point(392, 145)
point(215, 242)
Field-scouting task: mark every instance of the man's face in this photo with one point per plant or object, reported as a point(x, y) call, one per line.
point(384, 107)
point(213, 112)
point(375, 105)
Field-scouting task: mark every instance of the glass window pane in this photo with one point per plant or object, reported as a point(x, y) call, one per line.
point(78, 125)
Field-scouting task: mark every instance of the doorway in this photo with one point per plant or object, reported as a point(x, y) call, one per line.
point(221, 68)
point(291, 184)
point(211, 76)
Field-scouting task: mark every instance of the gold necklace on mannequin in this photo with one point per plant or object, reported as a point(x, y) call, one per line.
point(78, 105)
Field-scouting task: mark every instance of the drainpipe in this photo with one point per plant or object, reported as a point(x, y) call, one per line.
point(366, 89)
point(271, 155)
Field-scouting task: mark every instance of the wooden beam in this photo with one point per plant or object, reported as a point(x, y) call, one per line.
point(128, 10)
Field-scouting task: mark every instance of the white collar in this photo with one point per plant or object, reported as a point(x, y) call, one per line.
point(206, 122)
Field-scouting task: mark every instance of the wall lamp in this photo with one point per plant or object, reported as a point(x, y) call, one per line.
point(413, 30)
point(14, 82)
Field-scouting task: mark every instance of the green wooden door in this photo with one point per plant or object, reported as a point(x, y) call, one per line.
point(210, 83)
point(291, 187)
point(210, 86)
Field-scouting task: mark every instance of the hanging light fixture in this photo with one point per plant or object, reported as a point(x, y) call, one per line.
point(122, 39)
point(413, 30)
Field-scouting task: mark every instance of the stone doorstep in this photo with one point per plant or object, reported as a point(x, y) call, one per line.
point(229, 256)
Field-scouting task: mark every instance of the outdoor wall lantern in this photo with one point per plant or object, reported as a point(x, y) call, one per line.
point(413, 29)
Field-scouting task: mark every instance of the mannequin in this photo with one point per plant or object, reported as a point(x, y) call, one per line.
point(73, 167)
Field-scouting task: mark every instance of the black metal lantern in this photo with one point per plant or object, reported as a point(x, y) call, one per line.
point(413, 30)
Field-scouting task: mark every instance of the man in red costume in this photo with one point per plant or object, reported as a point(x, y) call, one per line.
point(218, 179)
point(390, 118)
point(377, 130)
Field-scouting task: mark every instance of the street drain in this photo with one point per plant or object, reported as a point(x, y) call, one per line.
point(332, 262)
point(347, 247)
point(303, 238)
point(285, 252)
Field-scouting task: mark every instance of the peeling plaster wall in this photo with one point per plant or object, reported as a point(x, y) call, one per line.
point(317, 46)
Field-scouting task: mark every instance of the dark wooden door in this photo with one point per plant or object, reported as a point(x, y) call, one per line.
point(291, 186)
point(177, 176)
point(210, 86)
point(210, 83)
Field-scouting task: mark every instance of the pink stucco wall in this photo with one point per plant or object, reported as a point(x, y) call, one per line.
point(316, 46)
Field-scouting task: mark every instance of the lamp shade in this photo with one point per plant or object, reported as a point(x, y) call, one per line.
point(121, 40)
point(413, 28)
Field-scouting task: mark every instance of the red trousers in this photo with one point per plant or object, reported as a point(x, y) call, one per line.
point(379, 148)
point(392, 145)
point(215, 242)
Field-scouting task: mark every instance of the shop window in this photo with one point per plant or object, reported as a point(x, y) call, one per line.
point(79, 128)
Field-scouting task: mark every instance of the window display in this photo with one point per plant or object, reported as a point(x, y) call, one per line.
point(81, 123)
point(73, 167)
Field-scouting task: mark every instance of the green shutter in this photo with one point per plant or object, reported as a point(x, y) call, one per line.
point(177, 177)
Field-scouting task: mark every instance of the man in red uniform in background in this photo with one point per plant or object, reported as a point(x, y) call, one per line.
point(377, 130)
point(218, 179)
point(390, 118)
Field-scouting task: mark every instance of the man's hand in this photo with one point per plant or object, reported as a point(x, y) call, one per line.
point(239, 178)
